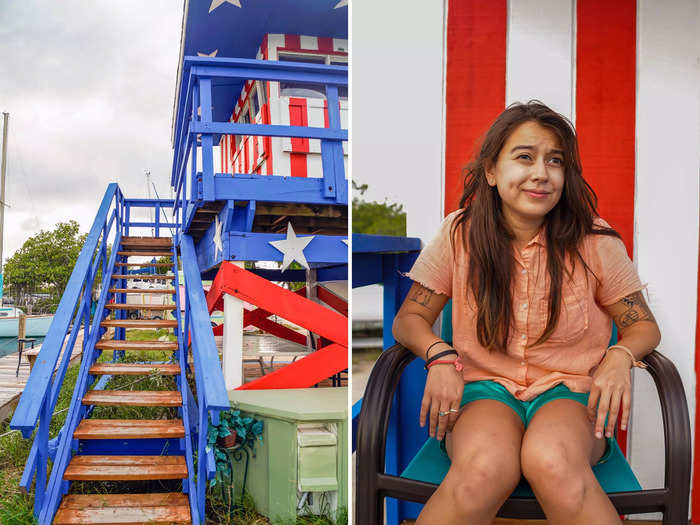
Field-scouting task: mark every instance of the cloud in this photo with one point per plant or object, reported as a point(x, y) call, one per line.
point(89, 88)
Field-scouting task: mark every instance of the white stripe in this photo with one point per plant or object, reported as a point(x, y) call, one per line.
point(666, 206)
point(308, 42)
point(538, 54)
point(340, 44)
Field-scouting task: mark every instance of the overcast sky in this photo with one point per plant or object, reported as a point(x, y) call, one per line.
point(89, 87)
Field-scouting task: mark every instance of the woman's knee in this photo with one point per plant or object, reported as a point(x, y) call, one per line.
point(483, 478)
point(553, 468)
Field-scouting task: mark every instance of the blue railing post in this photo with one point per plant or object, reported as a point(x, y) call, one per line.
point(207, 140)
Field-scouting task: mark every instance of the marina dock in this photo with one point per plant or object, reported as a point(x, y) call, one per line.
point(11, 386)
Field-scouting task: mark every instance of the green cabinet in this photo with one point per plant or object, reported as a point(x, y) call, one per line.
point(302, 462)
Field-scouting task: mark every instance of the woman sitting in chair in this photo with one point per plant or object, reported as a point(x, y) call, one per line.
point(536, 277)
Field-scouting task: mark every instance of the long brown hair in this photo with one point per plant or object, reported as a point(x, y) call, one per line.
point(489, 239)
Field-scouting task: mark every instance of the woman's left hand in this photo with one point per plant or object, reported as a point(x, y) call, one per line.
point(611, 387)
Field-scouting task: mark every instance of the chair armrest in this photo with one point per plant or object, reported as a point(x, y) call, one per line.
point(376, 408)
point(674, 411)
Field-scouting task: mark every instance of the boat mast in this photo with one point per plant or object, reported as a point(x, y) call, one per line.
point(6, 118)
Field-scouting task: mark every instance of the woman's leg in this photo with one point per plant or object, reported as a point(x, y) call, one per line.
point(485, 450)
point(557, 453)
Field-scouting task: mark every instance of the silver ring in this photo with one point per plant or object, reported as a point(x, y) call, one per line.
point(441, 414)
point(453, 410)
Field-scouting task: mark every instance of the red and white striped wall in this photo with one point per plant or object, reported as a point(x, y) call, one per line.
point(625, 72)
point(296, 157)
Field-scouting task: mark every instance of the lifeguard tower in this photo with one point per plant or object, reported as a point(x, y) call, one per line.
point(259, 134)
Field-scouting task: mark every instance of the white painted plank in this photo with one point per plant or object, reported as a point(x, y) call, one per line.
point(666, 205)
point(540, 55)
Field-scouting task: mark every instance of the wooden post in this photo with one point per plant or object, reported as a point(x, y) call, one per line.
point(233, 340)
point(312, 295)
point(22, 328)
point(21, 332)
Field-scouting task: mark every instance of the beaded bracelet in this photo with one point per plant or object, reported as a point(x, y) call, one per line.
point(635, 363)
point(451, 351)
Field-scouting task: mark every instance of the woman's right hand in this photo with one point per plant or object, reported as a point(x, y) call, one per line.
point(443, 393)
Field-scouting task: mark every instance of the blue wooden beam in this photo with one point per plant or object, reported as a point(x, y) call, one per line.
point(268, 130)
point(243, 187)
point(251, 69)
point(365, 243)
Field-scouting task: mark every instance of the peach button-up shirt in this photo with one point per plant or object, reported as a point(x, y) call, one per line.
point(578, 343)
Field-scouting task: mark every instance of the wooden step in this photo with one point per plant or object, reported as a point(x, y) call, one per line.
point(148, 242)
point(139, 323)
point(122, 306)
point(144, 290)
point(124, 509)
point(146, 265)
point(112, 344)
point(133, 398)
point(133, 369)
point(149, 277)
point(149, 253)
point(125, 468)
point(129, 428)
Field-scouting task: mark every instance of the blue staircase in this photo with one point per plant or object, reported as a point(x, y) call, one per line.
point(131, 451)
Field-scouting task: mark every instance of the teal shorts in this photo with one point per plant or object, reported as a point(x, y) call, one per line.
point(525, 409)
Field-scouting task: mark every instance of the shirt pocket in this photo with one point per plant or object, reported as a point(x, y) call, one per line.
point(573, 315)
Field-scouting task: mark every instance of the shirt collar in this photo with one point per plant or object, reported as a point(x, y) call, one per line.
point(540, 238)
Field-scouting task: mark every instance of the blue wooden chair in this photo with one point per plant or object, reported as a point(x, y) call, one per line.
point(422, 475)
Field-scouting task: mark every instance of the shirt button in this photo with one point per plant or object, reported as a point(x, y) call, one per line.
point(523, 337)
point(525, 306)
point(524, 271)
point(522, 363)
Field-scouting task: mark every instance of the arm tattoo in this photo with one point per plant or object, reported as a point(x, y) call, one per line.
point(422, 296)
point(637, 310)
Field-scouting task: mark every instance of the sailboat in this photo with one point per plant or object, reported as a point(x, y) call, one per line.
point(36, 325)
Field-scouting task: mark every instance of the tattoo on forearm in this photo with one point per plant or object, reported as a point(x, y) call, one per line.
point(421, 295)
point(637, 310)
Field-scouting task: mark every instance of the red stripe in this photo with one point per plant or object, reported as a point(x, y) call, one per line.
point(325, 44)
point(300, 146)
point(476, 82)
point(297, 163)
point(293, 41)
point(605, 115)
point(267, 141)
point(246, 156)
point(695, 496)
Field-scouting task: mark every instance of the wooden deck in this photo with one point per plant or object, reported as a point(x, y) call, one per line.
point(11, 387)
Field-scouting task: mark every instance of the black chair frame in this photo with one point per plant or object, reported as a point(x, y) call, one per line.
point(373, 484)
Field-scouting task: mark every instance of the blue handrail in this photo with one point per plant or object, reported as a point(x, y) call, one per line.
point(211, 391)
point(40, 380)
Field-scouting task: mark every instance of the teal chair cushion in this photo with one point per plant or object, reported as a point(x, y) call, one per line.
point(431, 464)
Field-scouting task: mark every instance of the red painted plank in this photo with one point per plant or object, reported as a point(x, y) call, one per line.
point(476, 82)
point(605, 107)
point(337, 303)
point(306, 372)
point(605, 112)
point(288, 305)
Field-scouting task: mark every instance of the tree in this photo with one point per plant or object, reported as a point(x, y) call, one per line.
point(379, 218)
point(45, 262)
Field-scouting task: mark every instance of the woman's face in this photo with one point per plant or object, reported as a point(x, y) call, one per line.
point(529, 174)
